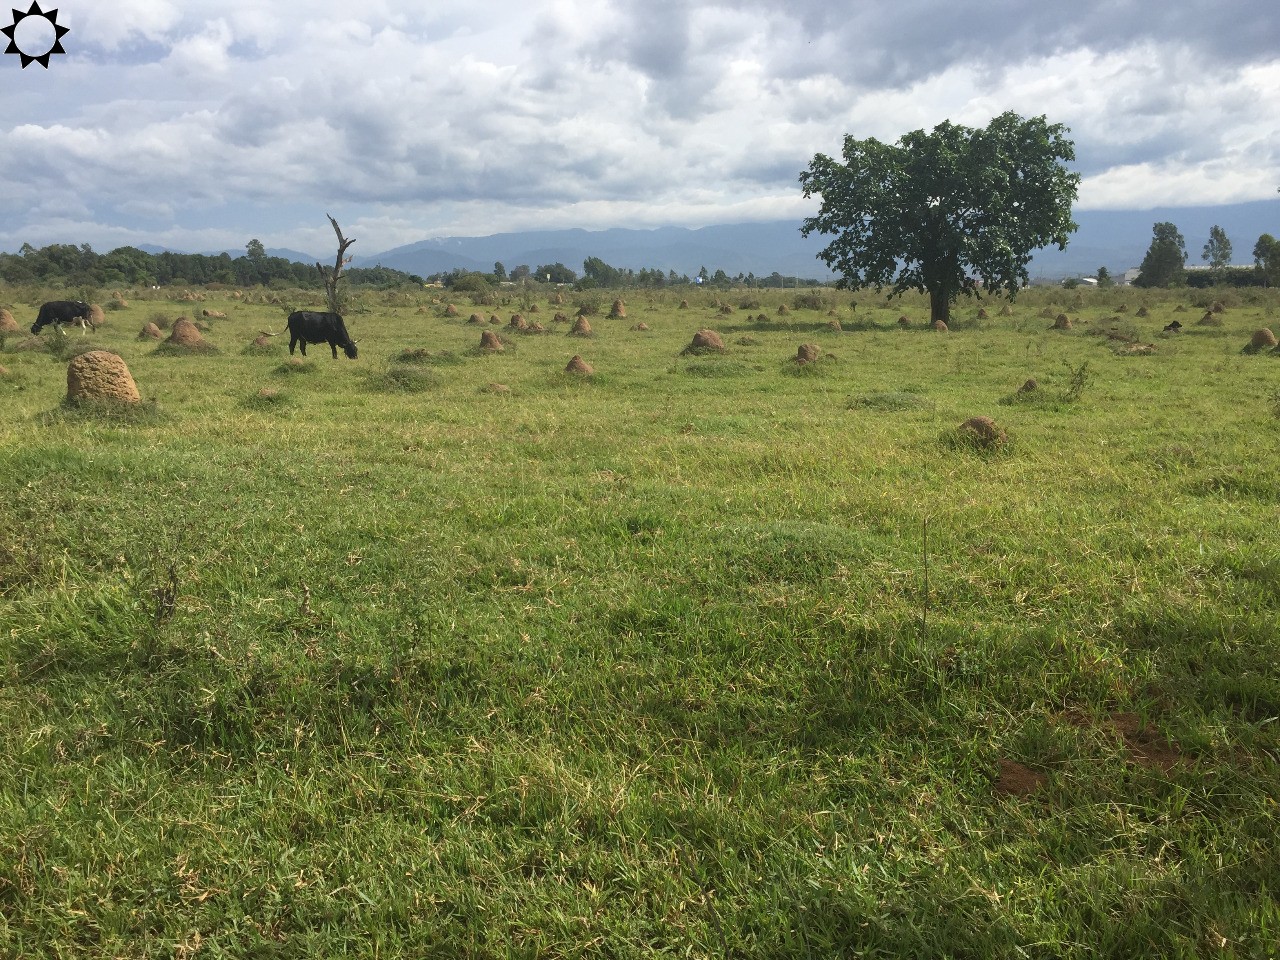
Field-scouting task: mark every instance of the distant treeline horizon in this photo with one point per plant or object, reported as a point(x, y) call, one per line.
point(81, 268)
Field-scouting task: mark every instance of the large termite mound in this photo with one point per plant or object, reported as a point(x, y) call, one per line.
point(100, 377)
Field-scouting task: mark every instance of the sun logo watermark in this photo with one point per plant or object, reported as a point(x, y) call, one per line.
point(35, 35)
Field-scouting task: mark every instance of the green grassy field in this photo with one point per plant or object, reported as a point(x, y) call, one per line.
point(700, 656)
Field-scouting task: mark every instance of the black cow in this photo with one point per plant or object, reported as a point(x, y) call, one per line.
point(59, 312)
point(1173, 327)
point(306, 326)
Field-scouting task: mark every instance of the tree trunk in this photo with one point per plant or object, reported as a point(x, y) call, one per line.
point(331, 277)
point(939, 304)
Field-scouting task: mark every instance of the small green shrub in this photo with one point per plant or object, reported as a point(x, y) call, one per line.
point(404, 379)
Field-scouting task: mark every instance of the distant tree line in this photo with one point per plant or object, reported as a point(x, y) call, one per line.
point(78, 267)
point(1165, 263)
point(66, 265)
point(597, 273)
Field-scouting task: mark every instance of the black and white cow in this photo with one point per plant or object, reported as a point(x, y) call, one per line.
point(306, 326)
point(59, 312)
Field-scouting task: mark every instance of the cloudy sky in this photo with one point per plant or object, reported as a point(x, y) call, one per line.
point(201, 125)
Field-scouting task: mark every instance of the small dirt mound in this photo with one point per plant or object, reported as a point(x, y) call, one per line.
point(783, 310)
point(618, 310)
point(834, 326)
point(534, 327)
point(476, 320)
point(150, 332)
point(494, 318)
point(684, 304)
point(1006, 311)
point(451, 311)
point(726, 308)
point(184, 334)
point(1031, 386)
point(1217, 307)
point(490, 341)
point(807, 353)
point(1145, 744)
point(982, 432)
point(579, 366)
point(1017, 780)
point(1210, 319)
point(534, 308)
point(496, 388)
point(1180, 308)
point(100, 377)
point(214, 314)
point(560, 318)
point(4, 371)
point(1143, 312)
point(518, 322)
point(1123, 308)
point(7, 323)
point(640, 326)
point(705, 341)
point(262, 340)
point(940, 326)
point(96, 317)
point(557, 298)
point(581, 328)
point(1261, 340)
point(904, 321)
point(1061, 322)
point(982, 313)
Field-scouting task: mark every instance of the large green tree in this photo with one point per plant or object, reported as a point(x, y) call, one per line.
point(1217, 252)
point(1266, 257)
point(1165, 262)
point(945, 211)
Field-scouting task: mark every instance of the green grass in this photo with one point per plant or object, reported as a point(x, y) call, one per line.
point(360, 657)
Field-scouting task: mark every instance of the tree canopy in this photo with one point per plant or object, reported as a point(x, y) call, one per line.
point(946, 210)
point(1266, 258)
point(1217, 252)
point(1166, 258)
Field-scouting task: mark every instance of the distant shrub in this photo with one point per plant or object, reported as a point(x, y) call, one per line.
point(404, 379)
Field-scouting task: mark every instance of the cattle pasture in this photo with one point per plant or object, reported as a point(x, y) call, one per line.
point(449, 652)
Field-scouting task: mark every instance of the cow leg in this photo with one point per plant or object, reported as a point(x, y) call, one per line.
point(293, 342)
point(333, 345)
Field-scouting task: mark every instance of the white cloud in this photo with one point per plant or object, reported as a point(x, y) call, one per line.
point(453, 117)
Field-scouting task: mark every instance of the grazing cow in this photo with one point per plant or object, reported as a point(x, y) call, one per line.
point(306, 326)
point(59, 312)
point(1173, 327)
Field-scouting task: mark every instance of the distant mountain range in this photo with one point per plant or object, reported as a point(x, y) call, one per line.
point(1115, 239)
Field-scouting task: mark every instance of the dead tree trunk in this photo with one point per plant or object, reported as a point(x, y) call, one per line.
point(331, 277)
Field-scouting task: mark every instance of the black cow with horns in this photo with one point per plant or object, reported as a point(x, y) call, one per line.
point(306, 326)
point(59, 312)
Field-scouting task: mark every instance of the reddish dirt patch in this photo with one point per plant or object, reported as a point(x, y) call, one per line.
point(1145, 744)
point(1016, 780)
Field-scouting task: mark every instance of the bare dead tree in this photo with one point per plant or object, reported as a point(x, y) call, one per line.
point(332, 276)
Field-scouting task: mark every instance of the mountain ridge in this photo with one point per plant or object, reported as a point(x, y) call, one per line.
point(1116, 239)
